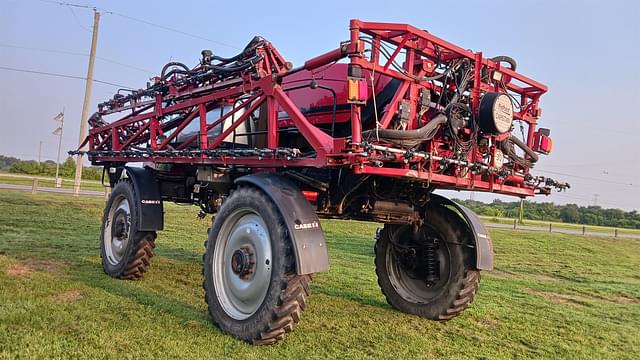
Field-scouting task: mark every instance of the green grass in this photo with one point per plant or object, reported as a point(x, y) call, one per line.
point(49, 182)
point(551, 296)
point(560, 225)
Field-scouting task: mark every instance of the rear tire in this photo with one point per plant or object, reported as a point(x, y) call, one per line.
point(126, 253)
point(401, 262)
point(250, 281)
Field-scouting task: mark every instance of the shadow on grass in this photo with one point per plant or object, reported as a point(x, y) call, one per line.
point(83, 271)
point(97, 279)
point(82, 242)
point(351, 296)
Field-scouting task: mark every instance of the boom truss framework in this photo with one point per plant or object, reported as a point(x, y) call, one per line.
point(257, 84)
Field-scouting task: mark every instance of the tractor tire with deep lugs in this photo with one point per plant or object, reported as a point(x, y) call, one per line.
point(401, 262)
point(250, 281)
point(126, 253)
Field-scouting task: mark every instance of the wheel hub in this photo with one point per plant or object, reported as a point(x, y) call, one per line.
point(243, 261)
point(120, 226)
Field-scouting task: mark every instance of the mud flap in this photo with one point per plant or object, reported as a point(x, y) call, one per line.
point(148, 197)
point(482, 240)
point(300, 218)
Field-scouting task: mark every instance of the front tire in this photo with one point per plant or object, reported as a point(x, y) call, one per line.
point(437, 286)
point(250, 282)
point(126, 253)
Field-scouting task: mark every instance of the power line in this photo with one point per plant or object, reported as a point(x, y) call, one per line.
point(75, 17)
point(43, 50)
point(125, 65)
point(592, 164)
point(171, 29)
point(588, 178)
point(55, 51)
point(68, 4)
point(62, 75)
point(142, 21)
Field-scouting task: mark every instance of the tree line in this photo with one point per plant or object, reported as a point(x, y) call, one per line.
point(545, 211)
point(47, 168)
point(548, 211)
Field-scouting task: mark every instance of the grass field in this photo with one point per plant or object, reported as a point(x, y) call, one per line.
point(551, 296)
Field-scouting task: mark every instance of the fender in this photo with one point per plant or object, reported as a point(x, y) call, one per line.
point(300, 218)
point(481, 238)
point(148, 197)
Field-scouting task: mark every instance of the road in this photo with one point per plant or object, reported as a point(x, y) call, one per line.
point(51, 190)
point(561, 230)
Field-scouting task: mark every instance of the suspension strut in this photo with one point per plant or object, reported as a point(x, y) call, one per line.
point(431, 262)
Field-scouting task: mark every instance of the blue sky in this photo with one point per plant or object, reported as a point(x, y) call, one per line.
point(587, 52)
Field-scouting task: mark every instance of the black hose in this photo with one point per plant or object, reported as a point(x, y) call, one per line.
point(334, 108)
point(228, 60)
point(173, 63)
point(173, 72)
point(229, 69)
point(509, 60)
point(408, 137)
point(251, 46)
point(525, 148)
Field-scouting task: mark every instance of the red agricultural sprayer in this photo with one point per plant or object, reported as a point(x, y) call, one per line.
point(366, 131)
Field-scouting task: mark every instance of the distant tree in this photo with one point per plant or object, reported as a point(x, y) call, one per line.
point(589, 218)
point(67, 169)
point(7, 161)
point(547, 211)
point(569, 213)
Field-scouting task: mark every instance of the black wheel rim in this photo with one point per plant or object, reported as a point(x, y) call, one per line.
point(406, 254)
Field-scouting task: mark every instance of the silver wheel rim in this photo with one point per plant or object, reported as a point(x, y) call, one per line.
point(242, 263)
point(117, 230)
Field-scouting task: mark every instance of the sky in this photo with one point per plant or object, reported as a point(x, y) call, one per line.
point(587, 52)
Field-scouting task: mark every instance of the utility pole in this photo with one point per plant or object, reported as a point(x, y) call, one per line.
point(87, 101)
point(595, 199)
point(521, 212)
point(40, 153)
point(58, 132)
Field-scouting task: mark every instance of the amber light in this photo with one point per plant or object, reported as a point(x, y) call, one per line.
point(546, 145)
point(542, 143)
point(356, 91)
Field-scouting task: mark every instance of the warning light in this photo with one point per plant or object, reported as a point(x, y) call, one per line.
point(542, 142)
point(357, 91)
